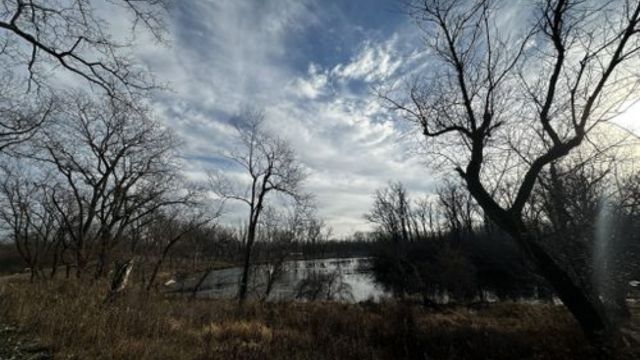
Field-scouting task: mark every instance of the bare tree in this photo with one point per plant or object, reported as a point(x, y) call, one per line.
point(74, 36)
point(272, 167)
point(458, 207)
point(317, 230)
point(281, 232)
point(117, 166)
point(324, 285)
point(395, 219)
point(38, 38)
point(537, 94)
point(26, 212)
point(392, 211)
point(20, 118)
point(426, 217)
point(174, 225)
point(588, 227)
point(277, 235)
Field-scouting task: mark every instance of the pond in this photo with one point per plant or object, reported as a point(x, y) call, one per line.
point(341, 279)
point(344, 279)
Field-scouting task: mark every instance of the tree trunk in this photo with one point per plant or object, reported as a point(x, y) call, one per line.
point(54, 262)
point(251, 236)
point(103, 257)
point(156, 268)
point(101, 264)
point(587, 310)
point(80, 263)
point(154, 273)
point(34, 274)
point(244, 281)
point(194, 291)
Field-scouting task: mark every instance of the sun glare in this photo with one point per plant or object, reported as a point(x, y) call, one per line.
point(630, 119)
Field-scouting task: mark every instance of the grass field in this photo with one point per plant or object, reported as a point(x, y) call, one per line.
point(73, 321)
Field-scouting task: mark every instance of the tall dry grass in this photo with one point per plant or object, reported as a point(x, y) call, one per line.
point(72, 319)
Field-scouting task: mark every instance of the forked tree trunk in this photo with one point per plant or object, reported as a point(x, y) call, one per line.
point(588, 311)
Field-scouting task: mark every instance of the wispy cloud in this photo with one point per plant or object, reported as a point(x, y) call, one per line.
point(226, 54)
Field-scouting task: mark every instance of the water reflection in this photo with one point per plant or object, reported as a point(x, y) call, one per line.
point(341, 279)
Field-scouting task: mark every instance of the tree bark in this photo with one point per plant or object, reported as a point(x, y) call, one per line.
point(244, 281)
point(588, 310)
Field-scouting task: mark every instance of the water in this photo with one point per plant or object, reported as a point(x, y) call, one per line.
point(345, 279)
point(341, 279)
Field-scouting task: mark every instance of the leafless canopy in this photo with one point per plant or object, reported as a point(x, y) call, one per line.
point(72, 35)
point(40, 40)
point(513, 101)
point(536, 92)
point(21, 119)
point(272, 167)
point(27, 215)
point(115, 166)
point(392, 212)
point(270, 162)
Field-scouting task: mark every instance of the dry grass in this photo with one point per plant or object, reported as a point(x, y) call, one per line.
point(72, 319)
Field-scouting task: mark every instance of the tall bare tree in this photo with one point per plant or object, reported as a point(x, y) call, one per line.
point(272, 167)
point(537, 92)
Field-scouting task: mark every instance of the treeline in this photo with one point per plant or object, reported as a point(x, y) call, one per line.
point(86, 167)
point(442, 247)
point(89, 185)
point(100, 187)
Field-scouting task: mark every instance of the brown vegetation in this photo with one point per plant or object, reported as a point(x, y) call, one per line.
point(73, 320)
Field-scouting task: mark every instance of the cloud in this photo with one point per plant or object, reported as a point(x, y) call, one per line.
point(312, 85)
point(373, 63)
point(226, 54)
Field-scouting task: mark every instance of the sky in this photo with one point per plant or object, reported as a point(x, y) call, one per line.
point(312, 66)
